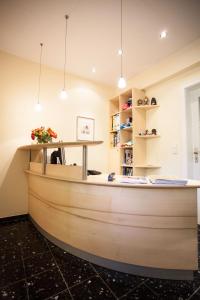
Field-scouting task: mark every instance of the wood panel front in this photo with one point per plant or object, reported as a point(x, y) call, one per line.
point(146, 227)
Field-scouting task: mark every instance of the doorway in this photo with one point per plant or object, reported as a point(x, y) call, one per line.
point(193, 135)
point(193, 131)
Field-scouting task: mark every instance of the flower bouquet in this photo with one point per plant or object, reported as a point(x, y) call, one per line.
point(43, 135)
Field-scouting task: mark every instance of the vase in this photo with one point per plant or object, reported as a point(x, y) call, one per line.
point(44, 140)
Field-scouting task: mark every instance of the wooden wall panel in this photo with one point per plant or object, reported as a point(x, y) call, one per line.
point(147, 227)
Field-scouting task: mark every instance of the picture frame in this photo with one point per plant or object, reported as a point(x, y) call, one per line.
point(85, 128)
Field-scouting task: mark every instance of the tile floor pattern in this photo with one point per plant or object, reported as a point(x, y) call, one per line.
point(32, 268)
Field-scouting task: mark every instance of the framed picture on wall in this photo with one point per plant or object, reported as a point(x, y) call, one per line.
point(84, 129)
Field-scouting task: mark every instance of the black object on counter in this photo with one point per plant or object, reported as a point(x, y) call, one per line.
point(54, 156)
point(93, 172)
point(111, 176)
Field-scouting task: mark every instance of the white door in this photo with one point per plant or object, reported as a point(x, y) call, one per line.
point(195, 126)
point(193, 136)
point(193, 113)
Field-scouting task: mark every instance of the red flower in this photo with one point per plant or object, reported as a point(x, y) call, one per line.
point(52, 133)
point(32, 136)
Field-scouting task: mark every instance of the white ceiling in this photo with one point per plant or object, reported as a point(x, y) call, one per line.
point(94, 33)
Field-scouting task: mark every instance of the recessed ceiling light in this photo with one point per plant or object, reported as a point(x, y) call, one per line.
point(163, 34)
point(120, 52)
point(93, 70)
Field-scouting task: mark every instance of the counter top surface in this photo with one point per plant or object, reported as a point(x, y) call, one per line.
point(102, 180)
point(59, 145)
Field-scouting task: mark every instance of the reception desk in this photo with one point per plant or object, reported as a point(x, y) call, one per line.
point(141, 229)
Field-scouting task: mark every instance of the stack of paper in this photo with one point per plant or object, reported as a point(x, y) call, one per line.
point(134, 180)
point(168, 181)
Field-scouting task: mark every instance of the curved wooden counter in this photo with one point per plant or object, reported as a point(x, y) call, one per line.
point(143, 229)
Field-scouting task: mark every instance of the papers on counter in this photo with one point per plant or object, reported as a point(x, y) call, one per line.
point(168, 181)
point(146, 180)
point(134, 180)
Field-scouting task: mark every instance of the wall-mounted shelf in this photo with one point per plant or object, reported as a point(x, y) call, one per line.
point(146, 107)
point(128, 166)
point(126, 147)
point(152, 136)
point(147, 166)
point(117, 113)
point(114, 131)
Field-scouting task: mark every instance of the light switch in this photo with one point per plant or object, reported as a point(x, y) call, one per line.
point(175, 150)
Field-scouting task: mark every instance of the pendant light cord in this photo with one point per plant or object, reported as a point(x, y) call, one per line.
point(66, 17)
point(121, 39)
point(41, 45)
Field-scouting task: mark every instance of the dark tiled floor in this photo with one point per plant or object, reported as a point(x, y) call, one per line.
point(32, 268)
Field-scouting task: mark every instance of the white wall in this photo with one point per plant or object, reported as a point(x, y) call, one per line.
point(18, 91)
point(170, 121)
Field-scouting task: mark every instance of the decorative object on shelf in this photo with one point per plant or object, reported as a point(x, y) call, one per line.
point(147, 132)
point(154, 131)
point(124, 106)
point(130, 100)
point(146, 101)
point(84, 129)
point(122, 81)
point(43, 135)
point(127, 124)
point(127, 144)
point(153, 101)
point(127, 105)
point(63, 93)
point(139, 102)
point(38, 106)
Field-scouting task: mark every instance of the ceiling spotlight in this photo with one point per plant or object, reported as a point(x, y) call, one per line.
point(93, 70)
point(163, 34)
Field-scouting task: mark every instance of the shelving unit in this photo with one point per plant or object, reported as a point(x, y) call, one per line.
point(129, 159)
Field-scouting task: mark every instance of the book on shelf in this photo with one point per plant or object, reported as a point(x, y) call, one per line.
point(116, 139)
point(128, 156)
point(127, 171)
point(115, 122)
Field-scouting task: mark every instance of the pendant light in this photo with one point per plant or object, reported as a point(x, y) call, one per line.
point(38, 106)
point(122, 81)
point(63, 93)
